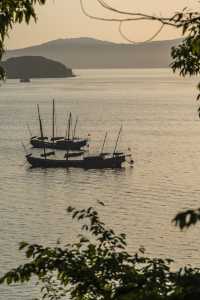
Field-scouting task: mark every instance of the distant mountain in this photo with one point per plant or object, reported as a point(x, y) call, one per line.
point(87, 53)
point(34, 67)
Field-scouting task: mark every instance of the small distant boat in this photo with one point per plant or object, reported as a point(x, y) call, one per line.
point(26, 79)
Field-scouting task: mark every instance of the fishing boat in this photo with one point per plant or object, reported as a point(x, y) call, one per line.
point(58, 142)
point(101, 161)
point(89, 162)
point(25, 79)
point(44, 138)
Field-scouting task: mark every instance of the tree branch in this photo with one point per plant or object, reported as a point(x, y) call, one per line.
point(178, 20)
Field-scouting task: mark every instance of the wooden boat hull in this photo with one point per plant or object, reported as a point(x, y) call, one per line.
point(59, 144)
point(85, 163)
point(69, 154)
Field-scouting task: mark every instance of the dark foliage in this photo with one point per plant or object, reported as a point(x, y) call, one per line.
point(187, 218)
point(102, 268)
point(12, 12)
point(186, 56)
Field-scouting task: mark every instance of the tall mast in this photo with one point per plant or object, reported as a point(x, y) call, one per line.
point(41, 130)
point(68, 133)
point(53, 121)
point(69, 125)
point(104, 141)
point(74, 132)
point(120, 130)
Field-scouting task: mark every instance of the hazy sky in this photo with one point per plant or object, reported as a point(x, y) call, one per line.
point(64, 19)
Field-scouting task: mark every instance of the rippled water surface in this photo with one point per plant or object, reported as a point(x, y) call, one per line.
point(160, 125)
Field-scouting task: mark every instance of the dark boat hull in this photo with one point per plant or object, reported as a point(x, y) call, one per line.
point(59, 144)
point(94, 163)
point(69, 154)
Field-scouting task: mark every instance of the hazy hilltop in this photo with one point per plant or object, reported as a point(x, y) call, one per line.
point(84, 53)
point(34, 67)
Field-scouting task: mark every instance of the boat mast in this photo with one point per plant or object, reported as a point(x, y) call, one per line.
point(115, 148)
point(74, 132)
point(41, 131)
point(68, 133)
point(69, 125)
point(53, 121)
point(104, 141)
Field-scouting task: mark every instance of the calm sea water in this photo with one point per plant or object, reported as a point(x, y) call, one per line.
point(160, 124)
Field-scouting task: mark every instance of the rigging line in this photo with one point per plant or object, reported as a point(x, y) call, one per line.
point(120, 130)
point(104, 141)
point(24, 147)
point(41, 130)
point(29, 130)
point(74, 131)
point(135, 42)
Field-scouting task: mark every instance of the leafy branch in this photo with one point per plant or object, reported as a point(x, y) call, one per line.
point(187, 218)
point(11, 13)
point(98, 266)
point(186, 56)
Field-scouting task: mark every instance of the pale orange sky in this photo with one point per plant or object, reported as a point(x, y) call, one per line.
point(64, 19)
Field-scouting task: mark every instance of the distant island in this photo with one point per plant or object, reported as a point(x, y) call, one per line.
point(89, 53)
point(25, 67)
